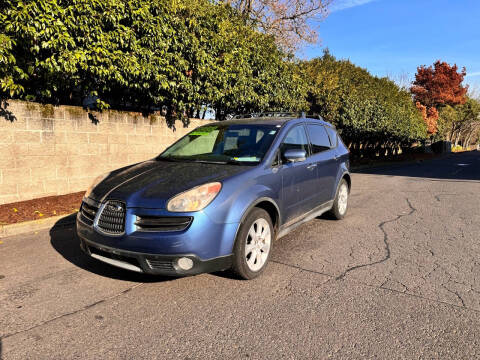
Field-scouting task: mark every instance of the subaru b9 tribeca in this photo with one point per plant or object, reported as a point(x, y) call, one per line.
point(218, 198)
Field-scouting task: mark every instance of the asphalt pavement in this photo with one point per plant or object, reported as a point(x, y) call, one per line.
point(398, 278)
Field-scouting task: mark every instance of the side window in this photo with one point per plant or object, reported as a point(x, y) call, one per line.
point(332, 134)
point(318, 137)
point(295, 139)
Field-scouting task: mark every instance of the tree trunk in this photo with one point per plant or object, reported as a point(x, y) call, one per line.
point(467, 140)
point(457, 139)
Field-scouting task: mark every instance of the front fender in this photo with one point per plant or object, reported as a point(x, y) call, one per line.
point(242, 194)
point(234, 208)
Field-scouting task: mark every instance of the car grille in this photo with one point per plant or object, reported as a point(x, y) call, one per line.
point(112, 218)
point(162, 223)
point(88, 213)
point(159, 264)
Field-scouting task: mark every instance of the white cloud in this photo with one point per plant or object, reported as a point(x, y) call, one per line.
point(345, 4)
point(475, 73)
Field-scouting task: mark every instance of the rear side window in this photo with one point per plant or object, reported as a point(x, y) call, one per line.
point(332, 135)
point(318, 138)
point(295, 139)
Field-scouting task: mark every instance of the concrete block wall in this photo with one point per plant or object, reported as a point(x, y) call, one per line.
point(49, 150)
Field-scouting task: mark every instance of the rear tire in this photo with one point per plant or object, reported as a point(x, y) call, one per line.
point(253, 245)
point(340, 204)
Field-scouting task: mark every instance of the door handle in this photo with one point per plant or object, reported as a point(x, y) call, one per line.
point(311, 166)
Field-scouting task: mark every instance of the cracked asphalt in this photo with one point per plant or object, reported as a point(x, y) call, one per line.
point(397, 278)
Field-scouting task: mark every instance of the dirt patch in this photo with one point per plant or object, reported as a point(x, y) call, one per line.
point(40, 208)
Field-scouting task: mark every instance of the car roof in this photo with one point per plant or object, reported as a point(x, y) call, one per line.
point(274, 120)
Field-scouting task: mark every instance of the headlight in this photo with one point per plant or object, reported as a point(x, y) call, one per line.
point(95, 182)
point(194, 199)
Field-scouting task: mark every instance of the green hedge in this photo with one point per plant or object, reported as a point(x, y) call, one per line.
point(142, 55)
point(185, 57)
point(375, 115)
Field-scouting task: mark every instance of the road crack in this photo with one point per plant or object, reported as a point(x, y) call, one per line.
point(407, 292)
point(455, 293)
point(381, 226)
point(302, 269)
point(86, 307)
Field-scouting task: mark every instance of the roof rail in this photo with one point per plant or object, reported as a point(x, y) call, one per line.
point(315, 116)
point(277, 114)
point(268, 114)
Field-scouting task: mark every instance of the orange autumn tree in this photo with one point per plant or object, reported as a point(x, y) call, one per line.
point(430, 116)
point(436, 86)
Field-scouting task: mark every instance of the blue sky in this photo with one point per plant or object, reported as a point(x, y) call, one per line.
point(393, 37)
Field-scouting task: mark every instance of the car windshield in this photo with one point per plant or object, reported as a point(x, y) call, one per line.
point(223, 143)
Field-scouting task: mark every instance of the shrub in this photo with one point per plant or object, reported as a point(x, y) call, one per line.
point(375, 115)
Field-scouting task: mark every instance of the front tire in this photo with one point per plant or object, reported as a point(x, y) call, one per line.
point(340, 204)
point(253, 244)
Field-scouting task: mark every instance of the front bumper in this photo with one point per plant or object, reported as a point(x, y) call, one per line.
point(206, 243)
point(153, 263)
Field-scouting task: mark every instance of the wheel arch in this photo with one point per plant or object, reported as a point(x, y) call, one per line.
point(267, 204)
point(348, 179)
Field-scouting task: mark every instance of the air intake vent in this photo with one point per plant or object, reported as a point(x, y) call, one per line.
point(162, 223)
point(88, 213)
point(112, 218)
point(158, 264)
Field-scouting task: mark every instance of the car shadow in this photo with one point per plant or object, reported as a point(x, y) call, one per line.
point(463, 166)
point(64, 240)
point(326, 216)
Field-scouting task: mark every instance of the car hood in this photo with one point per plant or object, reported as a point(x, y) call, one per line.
point(152, 183)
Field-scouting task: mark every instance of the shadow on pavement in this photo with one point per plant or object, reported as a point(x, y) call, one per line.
point(458, 167)
point(64, 240)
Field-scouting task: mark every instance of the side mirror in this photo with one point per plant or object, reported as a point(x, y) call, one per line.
point(295, 155)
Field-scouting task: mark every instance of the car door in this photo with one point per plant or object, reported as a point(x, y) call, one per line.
point(324, 157)
point(298, 178)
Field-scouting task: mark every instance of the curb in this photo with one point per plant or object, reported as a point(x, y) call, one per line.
point(395, 164)
point(385, 165)
point(35, 225)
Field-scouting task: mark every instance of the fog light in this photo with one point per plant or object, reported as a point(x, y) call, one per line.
point(185, 263)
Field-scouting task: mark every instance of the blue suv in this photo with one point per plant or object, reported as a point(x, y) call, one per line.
point(218, 198)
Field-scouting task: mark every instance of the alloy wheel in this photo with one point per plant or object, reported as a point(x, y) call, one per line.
point(258, 243)
point(342, 199)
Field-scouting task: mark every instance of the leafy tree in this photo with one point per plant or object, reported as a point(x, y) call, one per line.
point(460, 124)
point(9, 68)
point(437, 86)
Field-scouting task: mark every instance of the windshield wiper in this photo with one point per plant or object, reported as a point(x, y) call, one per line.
point(167, 158)
point(210, 162)
point(220, 162)
point(238, 162)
